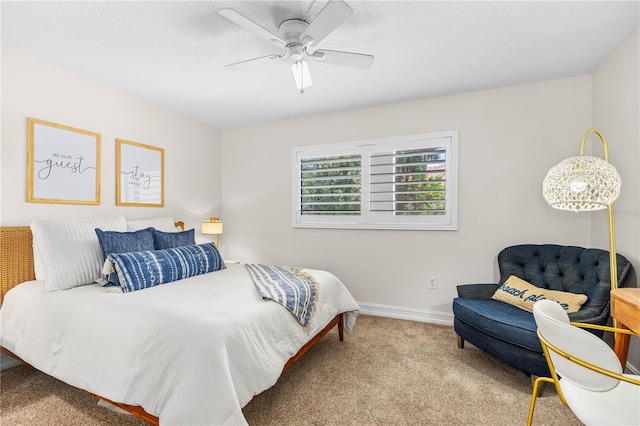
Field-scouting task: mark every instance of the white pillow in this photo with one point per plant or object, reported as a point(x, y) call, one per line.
point(164, 224)
point(66, 252)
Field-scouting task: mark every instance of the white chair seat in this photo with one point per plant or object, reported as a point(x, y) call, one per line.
point(585, 370)
point(619, 406)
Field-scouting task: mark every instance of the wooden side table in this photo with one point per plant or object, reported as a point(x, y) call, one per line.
point(625, 308)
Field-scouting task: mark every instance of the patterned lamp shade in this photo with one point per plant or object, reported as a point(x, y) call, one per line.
point(581, 184)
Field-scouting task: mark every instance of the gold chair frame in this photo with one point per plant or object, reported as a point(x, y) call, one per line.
point(546, 346)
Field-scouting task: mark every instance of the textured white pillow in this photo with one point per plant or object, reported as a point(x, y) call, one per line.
point(66, 252)
point(164, 224)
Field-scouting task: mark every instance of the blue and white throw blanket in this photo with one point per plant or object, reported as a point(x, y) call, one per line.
point(291, 287)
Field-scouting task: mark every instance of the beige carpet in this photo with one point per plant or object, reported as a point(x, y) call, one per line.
point(388, 372)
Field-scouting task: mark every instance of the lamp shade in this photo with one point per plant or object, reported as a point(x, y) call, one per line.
point(212, 228)
point(301, 74)
point(581, 184)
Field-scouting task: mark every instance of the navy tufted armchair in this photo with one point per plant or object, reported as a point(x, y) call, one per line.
point(508, 333)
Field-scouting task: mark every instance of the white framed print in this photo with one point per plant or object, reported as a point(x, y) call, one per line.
point(139, 174)
point(63, 164)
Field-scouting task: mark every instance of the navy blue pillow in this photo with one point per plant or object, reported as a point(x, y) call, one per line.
point(112, 242)
point(167, 240)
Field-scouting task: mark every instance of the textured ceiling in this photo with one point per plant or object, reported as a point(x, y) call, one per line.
point(172, 53)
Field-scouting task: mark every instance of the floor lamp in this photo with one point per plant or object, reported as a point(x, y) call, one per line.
point(586, 183)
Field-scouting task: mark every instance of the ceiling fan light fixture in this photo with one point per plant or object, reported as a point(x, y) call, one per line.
point(301, 75)
point(297, 36)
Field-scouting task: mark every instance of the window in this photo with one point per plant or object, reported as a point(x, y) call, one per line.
point(407, 182)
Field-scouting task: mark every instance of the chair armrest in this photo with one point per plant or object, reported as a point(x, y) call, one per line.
point(604, 328)
point(477, 291)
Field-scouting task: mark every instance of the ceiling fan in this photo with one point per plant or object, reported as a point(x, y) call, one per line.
point(299, 38)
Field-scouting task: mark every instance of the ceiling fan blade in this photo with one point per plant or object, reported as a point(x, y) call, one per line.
point(251, 26)
point(254, 61)
point(347, 59)
point(332, 15)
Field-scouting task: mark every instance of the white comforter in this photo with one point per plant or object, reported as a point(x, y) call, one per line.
point(190, 352)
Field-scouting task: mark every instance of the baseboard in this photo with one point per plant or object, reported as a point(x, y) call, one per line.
point(406, 313)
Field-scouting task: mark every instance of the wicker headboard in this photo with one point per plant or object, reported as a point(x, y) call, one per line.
point(16, 257)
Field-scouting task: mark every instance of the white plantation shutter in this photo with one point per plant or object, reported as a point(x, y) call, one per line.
point(331, 185)
point(327, 186)
point(407, 182)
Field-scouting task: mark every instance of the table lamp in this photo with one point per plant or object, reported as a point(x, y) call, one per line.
point(213, 227)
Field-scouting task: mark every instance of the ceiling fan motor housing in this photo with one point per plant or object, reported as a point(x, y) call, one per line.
point(290, 31)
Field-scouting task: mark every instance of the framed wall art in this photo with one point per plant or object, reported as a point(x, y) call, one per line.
point(139, 174)
point(63, 164)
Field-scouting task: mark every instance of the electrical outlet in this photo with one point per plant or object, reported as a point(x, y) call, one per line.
point(433, 282)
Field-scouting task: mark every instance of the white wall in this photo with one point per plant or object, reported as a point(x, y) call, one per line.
point(616, 113)
point(508, 139)
point(35, 89)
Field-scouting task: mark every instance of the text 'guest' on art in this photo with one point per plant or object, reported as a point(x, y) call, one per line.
point(63, 164)
point(139, 174)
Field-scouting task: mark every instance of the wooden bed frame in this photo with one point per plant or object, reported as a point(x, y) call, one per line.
point(16, 266)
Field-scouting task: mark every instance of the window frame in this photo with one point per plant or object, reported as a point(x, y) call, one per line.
point(367, 220)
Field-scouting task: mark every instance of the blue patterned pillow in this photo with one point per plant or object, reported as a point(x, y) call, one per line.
point(165, 240)
point(143, 269)
point(123, 242)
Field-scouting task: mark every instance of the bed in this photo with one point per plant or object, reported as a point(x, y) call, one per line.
point(193, 351)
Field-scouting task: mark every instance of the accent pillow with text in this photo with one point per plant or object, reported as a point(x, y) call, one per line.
point(517, 292)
